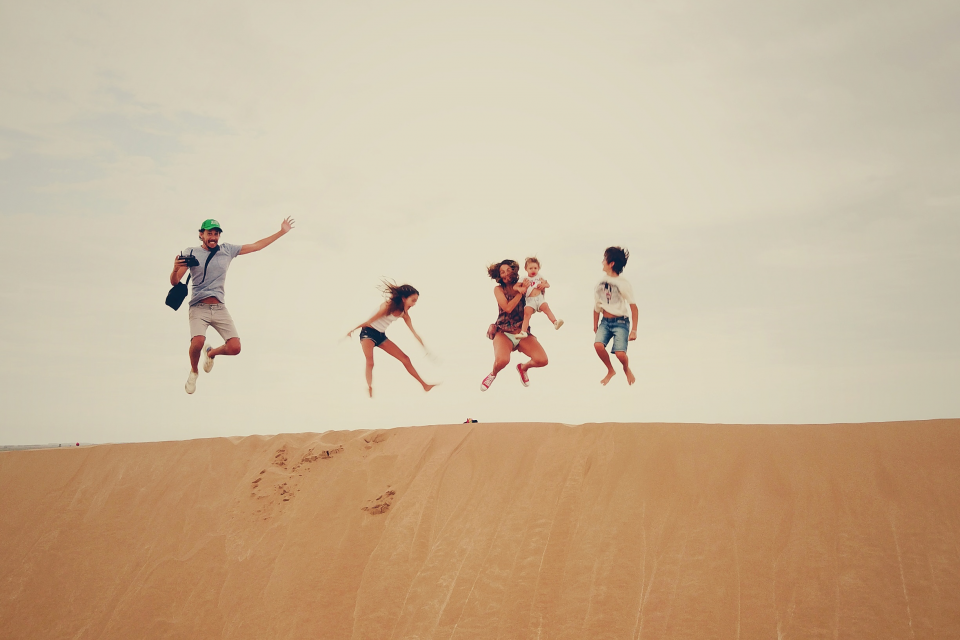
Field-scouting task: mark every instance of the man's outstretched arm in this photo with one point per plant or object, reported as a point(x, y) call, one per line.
point(285, 228)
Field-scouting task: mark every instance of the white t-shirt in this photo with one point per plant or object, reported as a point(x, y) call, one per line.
point(534, 281)
point(614, 295)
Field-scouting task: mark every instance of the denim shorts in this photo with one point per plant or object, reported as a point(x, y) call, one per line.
point(616, 328)
point(369, 333)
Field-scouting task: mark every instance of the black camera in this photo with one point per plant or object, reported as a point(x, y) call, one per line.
point(190, 260)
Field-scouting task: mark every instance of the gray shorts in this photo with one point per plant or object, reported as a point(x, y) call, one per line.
point(212, 315)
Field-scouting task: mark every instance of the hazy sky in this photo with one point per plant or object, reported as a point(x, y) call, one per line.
point(785, 175)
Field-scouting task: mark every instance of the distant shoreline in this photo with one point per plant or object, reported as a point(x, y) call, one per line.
point(65, 445)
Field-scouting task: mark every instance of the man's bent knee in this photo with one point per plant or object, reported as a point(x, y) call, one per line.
point(232, 347)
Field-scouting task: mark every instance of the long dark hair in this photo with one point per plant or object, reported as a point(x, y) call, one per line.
point(396, 294)
point(494, 270)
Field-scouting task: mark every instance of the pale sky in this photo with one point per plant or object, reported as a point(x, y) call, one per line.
point(786, 177)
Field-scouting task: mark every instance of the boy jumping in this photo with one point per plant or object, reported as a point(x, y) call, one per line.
point(611, 298)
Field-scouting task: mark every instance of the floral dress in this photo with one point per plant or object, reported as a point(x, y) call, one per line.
point(512, 322)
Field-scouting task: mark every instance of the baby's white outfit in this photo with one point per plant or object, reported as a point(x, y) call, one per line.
point(534, 301)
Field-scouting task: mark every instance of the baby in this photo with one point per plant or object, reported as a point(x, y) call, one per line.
point(534, 285)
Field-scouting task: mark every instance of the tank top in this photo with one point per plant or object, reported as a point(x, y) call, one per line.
point(513, 321)
point(381, 324)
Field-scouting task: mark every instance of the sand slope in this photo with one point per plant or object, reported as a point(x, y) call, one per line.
point(490, 531)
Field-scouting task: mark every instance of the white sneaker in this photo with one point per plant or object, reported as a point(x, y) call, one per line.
point(207, 360)
point(558, 324)
point(191, 385)
point(522, 335)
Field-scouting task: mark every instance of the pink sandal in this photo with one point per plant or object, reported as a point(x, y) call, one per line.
point(524, 378)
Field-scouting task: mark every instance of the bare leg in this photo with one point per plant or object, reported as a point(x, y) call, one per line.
point(527, 314)
point(368, 346)
point(196, 346)
point(502, 348)
point(546, 309)
point(622, 357)
point(390, 347)
point(230, 348)
point(532, 347)
point(605, 357)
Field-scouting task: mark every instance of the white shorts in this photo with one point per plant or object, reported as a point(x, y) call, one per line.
point(534, 302)
point(212, 315)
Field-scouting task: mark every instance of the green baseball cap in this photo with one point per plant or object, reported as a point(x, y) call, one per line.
point(211, 224)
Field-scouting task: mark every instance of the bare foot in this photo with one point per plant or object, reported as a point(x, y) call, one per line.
point(630, 377)
point(427, 387)
point(370, 391)
point(606, 378)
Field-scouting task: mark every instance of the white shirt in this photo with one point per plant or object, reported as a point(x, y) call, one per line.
point(534, 281)
point(614, 295)
point(381, 323)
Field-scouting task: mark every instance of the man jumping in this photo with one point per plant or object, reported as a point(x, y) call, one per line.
point(208, 271)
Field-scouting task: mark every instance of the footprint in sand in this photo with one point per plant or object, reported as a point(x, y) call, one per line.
point(376, 438)
point(325, 454)
point(381, 504)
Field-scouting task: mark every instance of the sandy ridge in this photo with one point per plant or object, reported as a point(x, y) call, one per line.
point(490, 531)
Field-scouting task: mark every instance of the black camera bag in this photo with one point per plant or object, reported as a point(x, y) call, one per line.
point(178, 292)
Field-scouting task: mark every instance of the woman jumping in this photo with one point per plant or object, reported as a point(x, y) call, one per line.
point(400, 299)
point(510, 302)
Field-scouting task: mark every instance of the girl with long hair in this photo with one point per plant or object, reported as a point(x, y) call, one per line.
point(506, 331)
point(399, 300)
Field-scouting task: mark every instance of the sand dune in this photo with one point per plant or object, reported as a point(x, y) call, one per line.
point(490, 531)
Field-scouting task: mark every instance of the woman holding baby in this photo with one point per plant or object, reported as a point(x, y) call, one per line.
point(504, 332)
